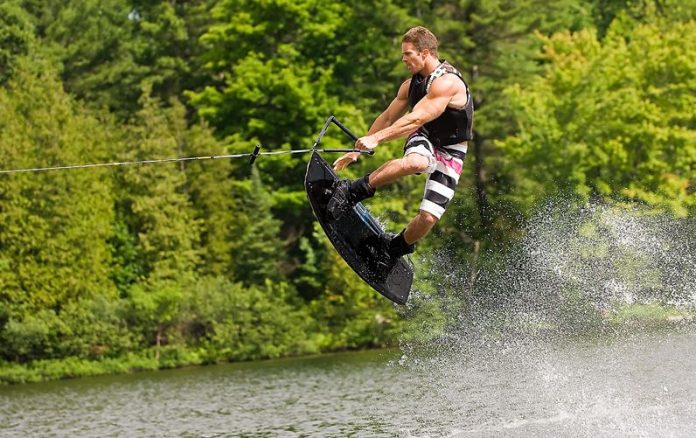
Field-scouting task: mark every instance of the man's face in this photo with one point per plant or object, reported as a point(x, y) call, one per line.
point(414, 60)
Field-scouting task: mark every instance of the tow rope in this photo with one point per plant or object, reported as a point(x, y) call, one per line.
point(252, 155)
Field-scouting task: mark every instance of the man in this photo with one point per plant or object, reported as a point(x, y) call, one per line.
point(437, 130)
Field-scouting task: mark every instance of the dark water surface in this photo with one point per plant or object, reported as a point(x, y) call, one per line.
point(640, 385)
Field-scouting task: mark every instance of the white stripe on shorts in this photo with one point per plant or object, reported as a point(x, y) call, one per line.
point(439, 188)
point(461, 147)
point(420, 149)
point(432, 208)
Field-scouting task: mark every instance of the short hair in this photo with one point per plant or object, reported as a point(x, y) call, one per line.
point(422, 38)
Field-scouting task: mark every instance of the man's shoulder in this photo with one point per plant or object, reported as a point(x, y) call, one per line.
point(447, 84)
point(404, 89)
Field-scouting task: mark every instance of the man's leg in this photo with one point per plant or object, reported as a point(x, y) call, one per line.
point(419, 227)
point(439, 190)
point(405, 242)
point(392, 170)
point(348, 193)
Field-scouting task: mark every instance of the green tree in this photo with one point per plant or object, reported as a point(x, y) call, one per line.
point(610, 119)
point(166, 42)
point(158, 240)
point(258, 250)
point(91, 41)
point(16, 37)
point(274, 87)
point(210, 188)
point(53, 225)
point(109, 50)
point(269, 88)
point(233, 322)
point(626, 12)
point(156, 310)
point(349, 313)
point(151, 198)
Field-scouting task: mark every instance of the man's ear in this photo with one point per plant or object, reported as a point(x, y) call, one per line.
point(425, 53)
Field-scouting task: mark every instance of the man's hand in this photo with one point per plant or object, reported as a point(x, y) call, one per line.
point(368, 142)
point(345, 160)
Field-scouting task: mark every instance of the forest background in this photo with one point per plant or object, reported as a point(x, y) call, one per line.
point(118, 269)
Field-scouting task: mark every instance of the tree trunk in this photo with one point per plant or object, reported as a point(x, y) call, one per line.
point(480, 176)
point(158, 342)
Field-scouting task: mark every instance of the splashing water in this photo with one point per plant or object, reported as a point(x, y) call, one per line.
point(551, 339)
point(576, 271)
point(615, 255)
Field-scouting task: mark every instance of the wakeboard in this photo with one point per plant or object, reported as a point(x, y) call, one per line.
point(356, 235)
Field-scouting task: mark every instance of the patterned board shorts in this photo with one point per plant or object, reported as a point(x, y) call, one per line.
point(443, 172)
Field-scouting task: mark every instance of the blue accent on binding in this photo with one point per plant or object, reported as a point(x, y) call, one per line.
point(366, 217)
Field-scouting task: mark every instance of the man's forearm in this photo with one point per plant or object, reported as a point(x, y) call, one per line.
point(381, 122)
point(401, 128)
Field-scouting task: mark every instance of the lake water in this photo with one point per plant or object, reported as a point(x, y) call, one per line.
point(510, 363)
point(638, 385)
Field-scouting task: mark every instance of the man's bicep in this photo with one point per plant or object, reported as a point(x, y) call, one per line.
point(401, 101)
point(430, 107)
point(397, 108)
point(435, 102)
point(399, 105)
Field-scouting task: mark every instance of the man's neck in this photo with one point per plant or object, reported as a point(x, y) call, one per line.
point(431, 63)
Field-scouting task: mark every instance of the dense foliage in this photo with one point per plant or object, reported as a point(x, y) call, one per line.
point(156, 266)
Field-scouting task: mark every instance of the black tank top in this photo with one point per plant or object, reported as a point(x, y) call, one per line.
point(452, 126)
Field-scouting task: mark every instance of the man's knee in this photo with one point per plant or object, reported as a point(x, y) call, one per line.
point(415, 163)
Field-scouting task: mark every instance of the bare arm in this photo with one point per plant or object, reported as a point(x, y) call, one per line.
point(429, 108)
point(394, 111)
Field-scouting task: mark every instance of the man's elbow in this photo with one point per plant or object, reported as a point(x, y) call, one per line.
point(418, 120)
point(386, 119)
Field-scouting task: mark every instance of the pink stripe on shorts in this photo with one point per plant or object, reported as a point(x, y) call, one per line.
point(443, 173)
